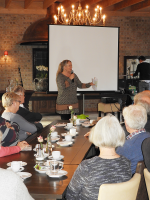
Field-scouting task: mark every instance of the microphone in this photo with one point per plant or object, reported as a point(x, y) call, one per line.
point(73, 78)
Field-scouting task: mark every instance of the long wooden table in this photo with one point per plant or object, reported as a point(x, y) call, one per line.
point(41, 186)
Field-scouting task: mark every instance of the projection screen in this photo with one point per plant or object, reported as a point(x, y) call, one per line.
point(94, 52)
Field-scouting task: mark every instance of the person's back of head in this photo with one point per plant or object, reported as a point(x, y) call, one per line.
point(18, 89)
point(143, 99)
point(8, 98)
point(135, 116)
point(141, 58)
point(107, 133)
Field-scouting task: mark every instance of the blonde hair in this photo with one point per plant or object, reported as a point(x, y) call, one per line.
point(107, 133)
point(143, 99)
point(61, 67)
point(135, 116)
point(18, 89)
point(8, 98)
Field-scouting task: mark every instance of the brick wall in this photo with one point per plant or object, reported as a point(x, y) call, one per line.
point(134, 40)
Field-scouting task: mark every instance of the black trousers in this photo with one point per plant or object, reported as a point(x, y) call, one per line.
point(65, 116)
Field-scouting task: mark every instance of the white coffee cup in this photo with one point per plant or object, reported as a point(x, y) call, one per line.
point(77, 121)
point(68, 138)
point(73, 131)
point(69, 125)
point(56, 154)
point(54, 134)
point(91, 121)
point(15, 166)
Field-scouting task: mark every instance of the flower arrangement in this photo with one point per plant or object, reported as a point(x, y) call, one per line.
point(73, 117)
point(40, 140)
point(71, 109)
point(41, 71)
point(52, 129)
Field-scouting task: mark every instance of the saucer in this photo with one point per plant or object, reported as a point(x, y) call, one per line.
point(57, 174)
point(68, 128)
point(55, 139)
point(64, 144)
point(24, 175)
point(42, 170)
point(22, 163)
point(72, 140)
point(41, 158)
point(60, 158)
point(64, 134)
point(21, 169)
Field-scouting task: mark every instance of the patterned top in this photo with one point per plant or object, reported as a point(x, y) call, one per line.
point(67, 93)
point(135, 133)
point(92, 173)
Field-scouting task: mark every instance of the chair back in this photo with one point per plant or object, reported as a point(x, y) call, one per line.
point(147, 180)
point(124, 191)
point(142, 191)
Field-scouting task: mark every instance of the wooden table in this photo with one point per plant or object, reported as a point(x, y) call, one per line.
point(41, 186)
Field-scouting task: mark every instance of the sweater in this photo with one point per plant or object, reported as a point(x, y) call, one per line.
point(12, 186)
point(132, 149)
point(6, 151)
point(94, 172)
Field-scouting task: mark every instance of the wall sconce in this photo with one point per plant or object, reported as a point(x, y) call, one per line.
point(5, 54)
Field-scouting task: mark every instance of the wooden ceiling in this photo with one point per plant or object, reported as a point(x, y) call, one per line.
point(110, 7)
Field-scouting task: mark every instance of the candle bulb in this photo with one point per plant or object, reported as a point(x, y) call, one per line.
point(100, 10)
point(87, 6)
point(104, 19)
point(58, 10)
point(72, 7)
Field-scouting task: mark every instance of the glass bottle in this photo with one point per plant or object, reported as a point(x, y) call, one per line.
point(49, 144)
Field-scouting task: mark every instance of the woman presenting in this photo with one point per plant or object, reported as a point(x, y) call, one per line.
point(67, 83)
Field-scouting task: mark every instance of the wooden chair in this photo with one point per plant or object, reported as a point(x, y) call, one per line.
point(124, 191)
point(147, 180)
point(142, 191)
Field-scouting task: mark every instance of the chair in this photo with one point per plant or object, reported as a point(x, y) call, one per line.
point(120, 191)
point(142, 191)
point(147, 180)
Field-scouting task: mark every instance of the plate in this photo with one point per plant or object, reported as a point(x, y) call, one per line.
point(64, 134)
point(60, 158)
point(22, 163)
point(66, 140)
point(42, 170)
point(44, 147)
point(87, 125)
point(68, 128)
point(55, 139)
point(83, 120)
point(64, 144)
point(60, 173)
point(24, 175)
point(41, 158)
point(21, 169)
point(60, 124)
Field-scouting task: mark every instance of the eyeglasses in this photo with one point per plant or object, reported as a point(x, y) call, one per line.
point(18, 101)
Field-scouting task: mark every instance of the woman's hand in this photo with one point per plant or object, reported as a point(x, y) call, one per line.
point(92, 83)
point(9, 125)
point(28, 133)
point(22, 144)
point(87, 135)
point(71, 76)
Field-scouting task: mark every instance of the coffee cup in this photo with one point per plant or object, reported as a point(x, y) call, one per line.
point(77, 121)
point(69, 125)
point(72, 131)
point(54, 134)
point(56, 154)
point(91, 121)
point(55, 166)
point(15, 166)
point(68, 138)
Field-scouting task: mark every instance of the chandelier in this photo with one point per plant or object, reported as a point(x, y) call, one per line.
point(79, 16)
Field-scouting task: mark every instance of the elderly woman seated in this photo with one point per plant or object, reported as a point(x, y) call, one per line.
point(108, 167)
point(11, 102)
point(135, 119)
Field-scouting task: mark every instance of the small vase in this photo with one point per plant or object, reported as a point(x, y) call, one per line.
point(72, 119)
point(41, 145)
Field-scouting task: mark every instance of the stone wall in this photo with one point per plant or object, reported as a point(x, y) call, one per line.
point(134, 41)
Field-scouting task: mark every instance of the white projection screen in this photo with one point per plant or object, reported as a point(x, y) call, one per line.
point(94, 52)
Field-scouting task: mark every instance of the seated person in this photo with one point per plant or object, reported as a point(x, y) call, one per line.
point(11, 185)
point(11, 102)
point(24, 112)
point(143, 99)
point(135, 119)
point(10, 134)
point(108, 167)
point(146, 152)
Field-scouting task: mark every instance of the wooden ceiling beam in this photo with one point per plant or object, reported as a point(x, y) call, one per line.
point(107, 3)
point(27, 3)
point(47, 3)
point(140, 6)
point(125, 4)
point(7, 3)
point(68, 3)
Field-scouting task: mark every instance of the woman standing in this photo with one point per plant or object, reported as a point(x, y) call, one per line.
point(67, 83)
